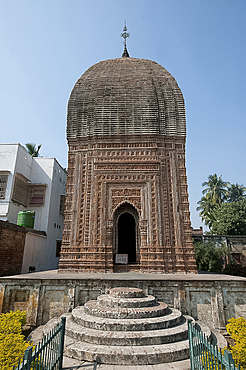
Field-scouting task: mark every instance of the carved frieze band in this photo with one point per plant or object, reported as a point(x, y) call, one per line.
point(126, 192)
point(124, 177)
point(126, 167)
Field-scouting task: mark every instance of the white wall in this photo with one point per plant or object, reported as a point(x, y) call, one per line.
point(39, 251)
point(34, 252)
point(55, 226)
point(13, 159)
point(48, 218)
point(41, 173)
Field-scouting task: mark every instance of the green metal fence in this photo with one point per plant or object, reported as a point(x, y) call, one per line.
point(48, 354)
point(204, 355)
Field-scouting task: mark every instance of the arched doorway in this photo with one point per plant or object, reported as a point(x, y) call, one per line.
point(126, 232)
point(127, 236)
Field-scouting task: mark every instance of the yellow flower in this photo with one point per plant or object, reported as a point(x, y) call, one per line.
point(237, 330)
point(12, 342)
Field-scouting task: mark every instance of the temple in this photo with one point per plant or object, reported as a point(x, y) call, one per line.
point(126, 200)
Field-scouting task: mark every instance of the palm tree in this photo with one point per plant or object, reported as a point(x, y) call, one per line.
point(31, 148)
point(236, 192)
point(214, 194)
point(206, 209)
point(216, 188)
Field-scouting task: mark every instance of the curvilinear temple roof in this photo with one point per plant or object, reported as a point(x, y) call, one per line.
point(125, 96)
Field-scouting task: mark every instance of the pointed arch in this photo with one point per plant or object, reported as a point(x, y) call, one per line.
point(126, 231)
point(123, 204)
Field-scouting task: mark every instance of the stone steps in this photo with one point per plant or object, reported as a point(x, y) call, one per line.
point(126, 268)
point(111, 301)
point(126, 338)
point(129, 355)
point(174, 317)
point(126, 327)
point(96, 309)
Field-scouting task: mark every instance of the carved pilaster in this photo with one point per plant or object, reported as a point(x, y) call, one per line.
point(143, 232)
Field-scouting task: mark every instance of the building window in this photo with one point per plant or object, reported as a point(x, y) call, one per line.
point(3, 185)
point(58, 248)
point(20, 192)
point(36, 195)
point(62, 204)
point(26, 194)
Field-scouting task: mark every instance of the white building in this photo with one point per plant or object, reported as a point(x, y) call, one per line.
point(36, 184)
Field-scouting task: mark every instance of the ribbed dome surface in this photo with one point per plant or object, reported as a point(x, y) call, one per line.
point(126, 96)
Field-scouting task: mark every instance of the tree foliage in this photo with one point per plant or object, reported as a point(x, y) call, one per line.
point(236, 192)
point(216, 188)
point(31, 148)
point(214, 194)
point(206, 209)
point(230, 219)
point(210, 256)
point(222, 206)
point(235, 268)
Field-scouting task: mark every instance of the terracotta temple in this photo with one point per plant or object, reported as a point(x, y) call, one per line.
point(127, 187)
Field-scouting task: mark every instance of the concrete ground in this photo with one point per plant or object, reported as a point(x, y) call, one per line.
point(131, 276)
point(71, 364)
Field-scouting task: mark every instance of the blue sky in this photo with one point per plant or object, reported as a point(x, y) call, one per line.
point(47, 45)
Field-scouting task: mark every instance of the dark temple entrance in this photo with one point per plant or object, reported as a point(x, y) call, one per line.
point(127, 236)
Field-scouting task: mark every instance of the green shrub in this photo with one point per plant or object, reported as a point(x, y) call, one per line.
point(12, 342)
point(237, 330)
point(210, 256)
point(235, 268)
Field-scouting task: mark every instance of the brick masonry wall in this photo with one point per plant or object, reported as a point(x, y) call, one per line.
point(147, 175)
point(12, 243)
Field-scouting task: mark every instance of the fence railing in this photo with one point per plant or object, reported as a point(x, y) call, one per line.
point(206, 356)
point(48, 354)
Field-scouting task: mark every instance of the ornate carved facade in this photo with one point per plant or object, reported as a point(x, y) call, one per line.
point(127, 185)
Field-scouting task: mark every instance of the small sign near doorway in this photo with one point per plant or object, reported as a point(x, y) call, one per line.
point(121, 259)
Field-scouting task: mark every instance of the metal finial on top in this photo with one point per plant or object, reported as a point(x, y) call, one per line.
point(125, 35)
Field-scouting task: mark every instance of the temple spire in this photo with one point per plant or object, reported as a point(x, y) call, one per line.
point(125, 35)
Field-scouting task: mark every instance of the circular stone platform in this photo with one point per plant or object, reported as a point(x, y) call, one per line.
point(126, 327)
point(126, 293)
